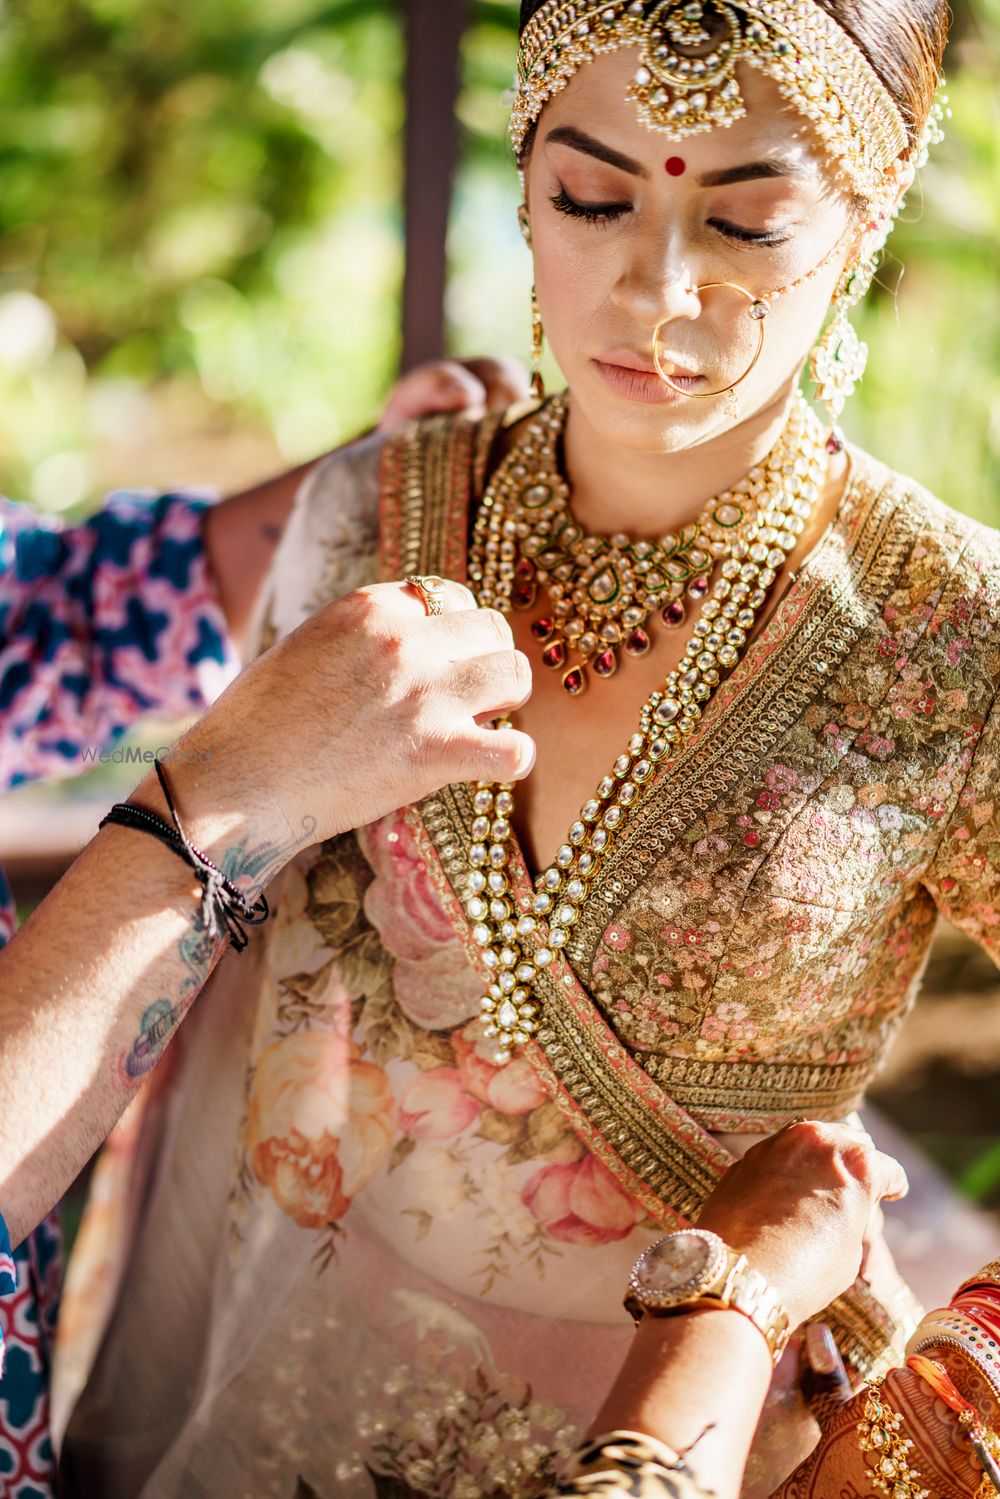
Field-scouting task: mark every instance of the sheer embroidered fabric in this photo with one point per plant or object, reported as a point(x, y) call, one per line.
point(367, 1257)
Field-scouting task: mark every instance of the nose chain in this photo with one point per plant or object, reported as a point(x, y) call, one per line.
point(518, 945)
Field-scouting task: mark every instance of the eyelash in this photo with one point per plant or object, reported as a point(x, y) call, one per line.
point(594, 213)
point(607, 213)
point(770, 238)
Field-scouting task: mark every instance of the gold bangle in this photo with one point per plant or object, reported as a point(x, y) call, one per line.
point(880, 1431)
point(959, 1333)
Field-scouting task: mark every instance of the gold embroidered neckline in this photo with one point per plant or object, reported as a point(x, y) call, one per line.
point(776, 500)
point(840, 535)
point(625, 1116)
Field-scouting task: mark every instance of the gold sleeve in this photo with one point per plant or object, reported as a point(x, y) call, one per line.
point(964, 875)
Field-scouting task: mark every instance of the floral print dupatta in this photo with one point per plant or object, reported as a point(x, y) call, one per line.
point(362, 1258)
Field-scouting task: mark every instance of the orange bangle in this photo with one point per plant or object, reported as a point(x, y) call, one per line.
point(937, 1376)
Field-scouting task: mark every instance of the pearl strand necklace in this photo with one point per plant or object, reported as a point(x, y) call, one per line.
point(782, 491)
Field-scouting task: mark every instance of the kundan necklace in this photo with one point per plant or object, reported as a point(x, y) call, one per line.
point(602, 589)
point(775, 501)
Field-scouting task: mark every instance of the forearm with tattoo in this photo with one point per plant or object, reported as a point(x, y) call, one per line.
point(197, 952)
point(94, 987)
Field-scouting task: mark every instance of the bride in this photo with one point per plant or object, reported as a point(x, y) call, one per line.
point(493, 1044)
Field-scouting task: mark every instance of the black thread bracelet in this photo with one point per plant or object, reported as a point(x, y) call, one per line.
point(223, 905)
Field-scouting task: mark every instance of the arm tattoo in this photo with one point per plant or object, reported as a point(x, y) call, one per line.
point(253, 868)
point(198, 951)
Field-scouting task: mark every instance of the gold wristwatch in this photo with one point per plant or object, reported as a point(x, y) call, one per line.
point(695, 1268)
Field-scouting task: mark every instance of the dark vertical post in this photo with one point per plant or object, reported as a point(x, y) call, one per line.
point(433, 32)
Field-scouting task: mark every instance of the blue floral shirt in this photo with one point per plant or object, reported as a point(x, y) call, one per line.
point(101, 624)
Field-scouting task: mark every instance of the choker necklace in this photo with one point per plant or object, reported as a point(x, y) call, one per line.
point(602, 590)
point(777, 498)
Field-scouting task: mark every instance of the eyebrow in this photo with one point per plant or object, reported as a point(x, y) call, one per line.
point(569, 135)
point(749, 171)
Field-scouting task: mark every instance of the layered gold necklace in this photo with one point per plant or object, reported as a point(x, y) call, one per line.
point(602, 589)
point(600, 583)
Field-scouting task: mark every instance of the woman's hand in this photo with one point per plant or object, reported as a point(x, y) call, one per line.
point(798, 1205)
point(940, 1454)
point(367, 706)
point(444, 385)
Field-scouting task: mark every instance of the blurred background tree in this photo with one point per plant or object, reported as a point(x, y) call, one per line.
point(201, 247)
point(198, 235)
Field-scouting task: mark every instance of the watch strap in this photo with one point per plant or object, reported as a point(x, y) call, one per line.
point(738, 1287)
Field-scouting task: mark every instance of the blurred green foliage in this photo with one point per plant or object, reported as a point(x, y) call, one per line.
point(198, 197)
point(199, 213)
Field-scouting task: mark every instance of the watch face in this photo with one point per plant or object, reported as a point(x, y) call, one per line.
point(677, 1267)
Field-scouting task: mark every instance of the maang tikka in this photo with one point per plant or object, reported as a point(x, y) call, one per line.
point(688, 81)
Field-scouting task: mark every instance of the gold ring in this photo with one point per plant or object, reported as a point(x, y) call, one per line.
point(430, 588)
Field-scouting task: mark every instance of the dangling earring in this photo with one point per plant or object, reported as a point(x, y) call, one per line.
point(839, 360)
point(537, 344)
point(537, 332)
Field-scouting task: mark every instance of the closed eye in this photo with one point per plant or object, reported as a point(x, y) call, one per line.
point(750, 236)
point(594, 213)
point(606, 213)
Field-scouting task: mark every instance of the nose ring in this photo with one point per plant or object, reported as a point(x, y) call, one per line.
point(757, 310)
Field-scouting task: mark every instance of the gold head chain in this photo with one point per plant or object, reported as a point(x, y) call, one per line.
point(686, 82)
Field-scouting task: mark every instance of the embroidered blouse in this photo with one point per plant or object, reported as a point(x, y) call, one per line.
point(451, 1238)
point(100, 623)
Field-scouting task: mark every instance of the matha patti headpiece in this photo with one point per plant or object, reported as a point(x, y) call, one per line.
point(686, 79)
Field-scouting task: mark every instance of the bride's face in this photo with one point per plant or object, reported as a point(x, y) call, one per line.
point(625, 224)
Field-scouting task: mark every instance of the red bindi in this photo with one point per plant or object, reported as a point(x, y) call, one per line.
point(676, 166)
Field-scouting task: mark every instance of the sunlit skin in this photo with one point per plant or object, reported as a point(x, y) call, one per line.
point(603, 287)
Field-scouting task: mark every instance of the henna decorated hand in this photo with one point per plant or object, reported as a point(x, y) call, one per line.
point(940, 1454)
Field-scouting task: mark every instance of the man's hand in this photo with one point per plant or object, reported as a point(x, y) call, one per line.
point(471, 385)
point(369, 705)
